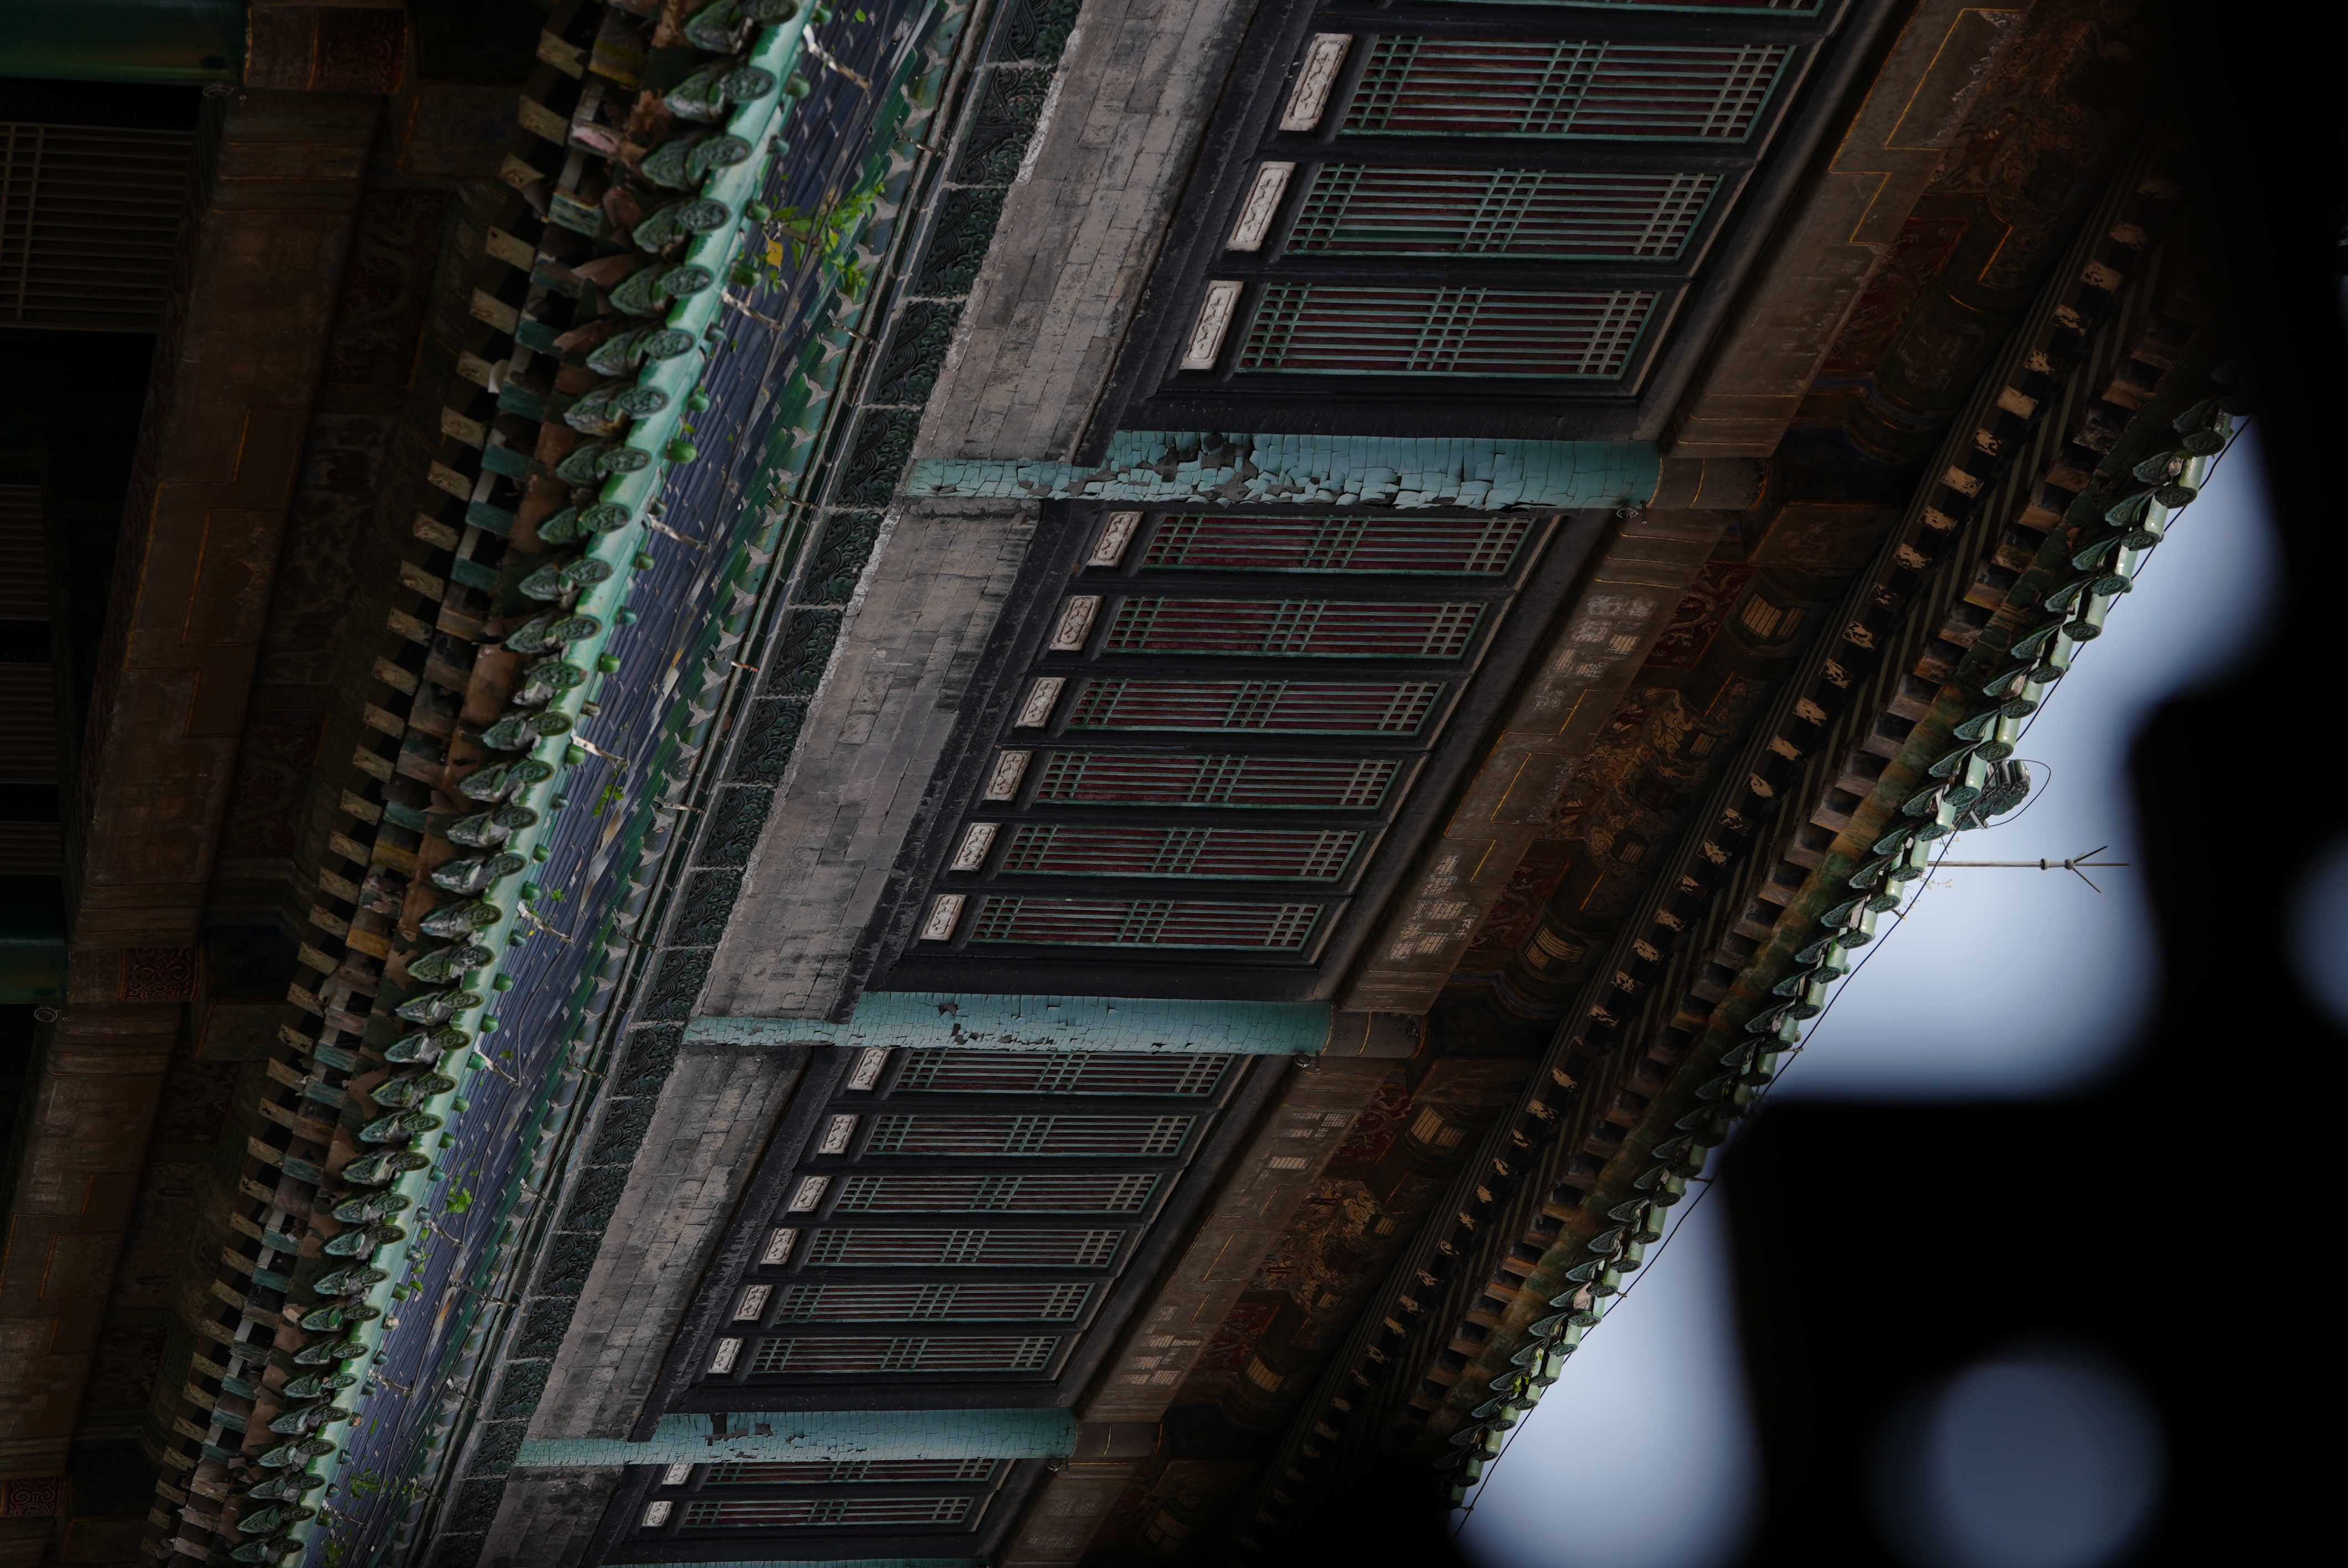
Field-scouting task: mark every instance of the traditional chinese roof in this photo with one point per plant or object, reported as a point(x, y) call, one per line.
point(522, 774)
point(1072, 800)
point(2068, 468)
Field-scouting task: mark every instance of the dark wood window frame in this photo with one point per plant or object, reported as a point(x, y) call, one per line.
point(1227, 1114)
point(1757, 176)
point(625, 1537)
point(1433, 764)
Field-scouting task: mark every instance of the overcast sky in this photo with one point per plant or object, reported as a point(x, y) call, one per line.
point(1641, 1457)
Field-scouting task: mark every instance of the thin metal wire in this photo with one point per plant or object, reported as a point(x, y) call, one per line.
point(1646, 1273)
point(1810, 1036)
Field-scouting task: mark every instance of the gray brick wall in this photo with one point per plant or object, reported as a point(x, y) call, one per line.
point(873, 735)
point(1081, 227)
point(702, 1139)
point(673, 1148)
point(547, 1518)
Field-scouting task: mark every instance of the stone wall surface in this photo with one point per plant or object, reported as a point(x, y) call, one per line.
point(547, 1517)
point(1070, 159)
point(704, 1137)
point(874, 734)
point(1081, 229)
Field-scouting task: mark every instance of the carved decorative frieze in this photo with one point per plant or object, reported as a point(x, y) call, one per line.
point(1310, 98)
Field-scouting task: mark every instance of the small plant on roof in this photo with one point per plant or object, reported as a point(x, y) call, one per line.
point(799, 237)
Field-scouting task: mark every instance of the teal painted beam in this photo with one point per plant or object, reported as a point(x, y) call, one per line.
point(824, 1434)
point(937, 1020)
point(1170, 468)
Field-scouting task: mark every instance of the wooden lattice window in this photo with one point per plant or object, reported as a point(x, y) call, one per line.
point(1147, 923)
point(1293, 628)
point(89, 219)
point(1038, 1193)
point(1299, 854)
point(837, 1471)
point(1301, 783)
point(964, 1248)
point(778, 1513)
point(1346, 329)
point(1285, 707)
point(860, 1302)
point(857, 1354)
point(1364, 210)
point(1060, 1073)
point(1130, 1136)
point(1572, 88)
point(32, 841)
point(1482, 546)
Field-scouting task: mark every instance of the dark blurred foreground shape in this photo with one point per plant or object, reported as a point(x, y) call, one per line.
point(1036, 820)
point(1882, 1248)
